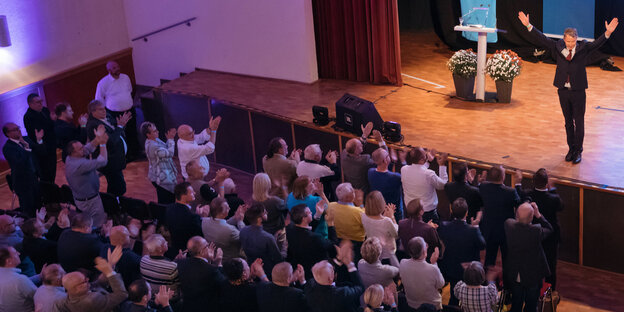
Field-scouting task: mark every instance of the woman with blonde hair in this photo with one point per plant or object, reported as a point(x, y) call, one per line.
point(378, 221)
point(375, 295)
point(275, 207)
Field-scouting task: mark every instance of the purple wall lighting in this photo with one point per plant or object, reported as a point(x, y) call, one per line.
point(5, 37)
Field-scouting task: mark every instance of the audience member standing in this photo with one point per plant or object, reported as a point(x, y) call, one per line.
point(16, 290)
point(196, 147)
point(303, 190)
point(258, 243)
point(82, 177)
point(526, 265)
point(422, 280)
point(225, 234)
point(348, 217)
point(550, 205)
point(378, 221)
point(420, 182)
point(277, 166)
point(65, 129)
point(387, 182)
point(275, 207)
point(18, 151)
point(279, 296)
point(238, 293)
point(354, 164)
point(315, 167)
point(37, 117)
point(162, 171)
point(181, 221)
point(460, 187)
point(462, 243)
point(499, 202)
point(472, 293)
point(116, 145)
point(115, 91)
point(414, 225)
point(371, 269)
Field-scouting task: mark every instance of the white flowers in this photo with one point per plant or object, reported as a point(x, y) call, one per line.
point(504, 65)
point(463, 63)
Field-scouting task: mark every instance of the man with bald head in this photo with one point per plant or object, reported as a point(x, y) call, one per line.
point(129, 265)
point(115, 91)
point(279, 296)
point(387, 182)
point(196, 147)
point(526, 265)
point(354, 164)
point(81, 298)
point(323, 295)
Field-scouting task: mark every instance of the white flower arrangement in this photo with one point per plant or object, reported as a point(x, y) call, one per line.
point(504, 65)
point(463, 63)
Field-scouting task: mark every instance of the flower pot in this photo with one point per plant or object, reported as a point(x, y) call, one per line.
point(503, 91)
point(463, 86)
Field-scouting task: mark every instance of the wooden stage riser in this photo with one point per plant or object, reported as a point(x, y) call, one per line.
point(590, 214)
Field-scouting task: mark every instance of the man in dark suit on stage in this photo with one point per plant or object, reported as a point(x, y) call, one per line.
point(37, 117)
point(116, 145)
point(570, 78)
point(549, 204)
point(527, 264)
point(462, 243)
point(499, 202)
point(181, 221)
point(18, 151)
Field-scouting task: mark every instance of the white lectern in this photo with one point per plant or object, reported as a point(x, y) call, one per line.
point(481, 51)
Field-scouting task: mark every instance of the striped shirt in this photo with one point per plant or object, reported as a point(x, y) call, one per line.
point(159, 271)
point(476, 299)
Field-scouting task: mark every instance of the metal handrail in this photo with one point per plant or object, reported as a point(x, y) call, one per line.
point(187, 22)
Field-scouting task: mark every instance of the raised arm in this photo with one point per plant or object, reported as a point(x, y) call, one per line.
point(609, 28)
point(539, 37)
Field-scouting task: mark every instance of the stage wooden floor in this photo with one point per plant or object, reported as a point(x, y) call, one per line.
point(527, 133)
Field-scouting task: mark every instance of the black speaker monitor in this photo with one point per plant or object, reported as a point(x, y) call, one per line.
point(352, 112)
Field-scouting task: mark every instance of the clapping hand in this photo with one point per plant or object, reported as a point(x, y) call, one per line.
point(344, 252)
point(41, 214)
point(221, 175)
point(163, 296)
point(482, 176)
point(213, 124)
point(321, 205)
point(318, 186)
point(518, 176)
point(377, 136)
point(114, 256)
point(39, 134)
point(389, 292)
point(389, 210)
point(524, 19)
point(170, 134)
point(434, 256)
point(123, 119)
point(610, 27)
point(63, 219)
point(82, 120)
point(296, 155)
point(240, 212)
point(101, 137)
point(442, 159)
point(366, 130)
point(331, 157)
point(432, 224)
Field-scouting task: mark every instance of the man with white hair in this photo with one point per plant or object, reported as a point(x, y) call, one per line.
point(192, 146)
point(348, 217)
point(156, 269)
point(311, 165)
point(526, 263)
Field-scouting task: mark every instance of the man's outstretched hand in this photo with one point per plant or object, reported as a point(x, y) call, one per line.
point(611, 26)
point(524, 18)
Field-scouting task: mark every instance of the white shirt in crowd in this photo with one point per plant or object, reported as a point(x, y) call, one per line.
point(189, 150)
point(313, 170)
point(421, 182)
point(116, 94)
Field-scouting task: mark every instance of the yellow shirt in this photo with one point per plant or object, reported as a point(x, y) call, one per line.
point(348, 221)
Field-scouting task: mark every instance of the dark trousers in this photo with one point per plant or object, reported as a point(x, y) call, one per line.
point(132, 136)
point(524, 295)
point(431, 215)
point(573, 107)
point(164, 196)
point(491, 251)
point(116, 182)
point(453, 301)
point(551, 249)
point(47, 166)
point(30, 199)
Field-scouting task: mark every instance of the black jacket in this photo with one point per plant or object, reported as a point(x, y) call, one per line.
point(183, 224)
point(455, 190)
point(275, 298)
point(574, 68)
point(306, 247)
point(40, 251)
point(77, 250)
point(199, 284)
point(323, 298)
point(499, 202)
point(525, 255)
point(549, 204)
point(41, 121)
point(114, 145)
point(67, 132)
point(463, 243)
point(24, 166)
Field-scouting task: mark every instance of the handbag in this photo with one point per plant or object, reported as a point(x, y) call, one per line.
point(548, 301)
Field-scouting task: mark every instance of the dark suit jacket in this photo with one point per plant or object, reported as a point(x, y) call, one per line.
point(307, 248)
point(183, 224)
point(455, 190)
point(525, 255)
point(41, 120)
point(128, 266)
point(40, 251)
point(199, 284)
point(275, 298)
point(78, 250)
point(575, 68)
point(499, 204)
point(322, 298)
point(549, 204)
point(24, 166)
point(462, 243)
point(114, 145)
point(67, 132)
point(238, 298)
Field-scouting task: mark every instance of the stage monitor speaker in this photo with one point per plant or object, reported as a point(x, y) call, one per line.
point(392, 131)
point(321, 115)
point(352, 112)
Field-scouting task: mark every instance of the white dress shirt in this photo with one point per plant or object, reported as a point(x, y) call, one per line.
point(116, 94)
point(313, 170)
point(189, 150)
point(421, 182)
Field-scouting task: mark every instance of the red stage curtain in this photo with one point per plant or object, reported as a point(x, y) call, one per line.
point(358, 40)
